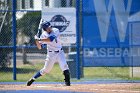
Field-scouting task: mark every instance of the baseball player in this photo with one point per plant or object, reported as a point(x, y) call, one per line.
point(55, 53)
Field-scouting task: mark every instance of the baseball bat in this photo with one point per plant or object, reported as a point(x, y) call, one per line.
point(39, 28)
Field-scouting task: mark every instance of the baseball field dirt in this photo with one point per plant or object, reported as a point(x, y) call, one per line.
point(74, 88)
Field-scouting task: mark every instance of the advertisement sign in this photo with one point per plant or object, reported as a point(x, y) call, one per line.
point(65, 20)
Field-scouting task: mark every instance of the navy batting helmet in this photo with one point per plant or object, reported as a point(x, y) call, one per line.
point(45, 25)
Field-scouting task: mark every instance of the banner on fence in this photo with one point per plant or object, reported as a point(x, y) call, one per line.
point(65, 20)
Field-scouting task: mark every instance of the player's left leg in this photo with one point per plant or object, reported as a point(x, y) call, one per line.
point(66, 74)
point(64, 67)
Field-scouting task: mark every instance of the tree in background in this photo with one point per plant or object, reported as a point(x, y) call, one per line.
point(5, 34)
point(28, 25)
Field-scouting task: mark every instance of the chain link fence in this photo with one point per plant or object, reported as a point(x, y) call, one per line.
point(5, 38)
point(28, 58)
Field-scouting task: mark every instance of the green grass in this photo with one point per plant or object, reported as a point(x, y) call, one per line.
point(107, 72)
point(25, 72)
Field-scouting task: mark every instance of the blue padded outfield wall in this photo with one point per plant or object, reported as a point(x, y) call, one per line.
point(111, 31)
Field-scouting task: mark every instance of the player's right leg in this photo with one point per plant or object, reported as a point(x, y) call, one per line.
point(30, 81)
point(46, 69)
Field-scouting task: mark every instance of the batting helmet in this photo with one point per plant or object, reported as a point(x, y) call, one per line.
point(45, 25)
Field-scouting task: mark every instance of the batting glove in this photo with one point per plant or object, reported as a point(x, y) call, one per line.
point(37, 38)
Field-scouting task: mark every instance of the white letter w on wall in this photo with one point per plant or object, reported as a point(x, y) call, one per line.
point(103, 12)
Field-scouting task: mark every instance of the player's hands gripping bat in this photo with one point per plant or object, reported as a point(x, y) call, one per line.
point(37, 42)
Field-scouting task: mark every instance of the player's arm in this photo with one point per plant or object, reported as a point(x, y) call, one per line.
point(38, 44)
point(49, 39)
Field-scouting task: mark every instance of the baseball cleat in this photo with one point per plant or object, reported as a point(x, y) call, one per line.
point(67, 83)
point(30, 82)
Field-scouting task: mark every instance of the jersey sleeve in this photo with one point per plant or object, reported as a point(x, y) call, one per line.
point(56, 32)
point(43, 36)
point(55, 35)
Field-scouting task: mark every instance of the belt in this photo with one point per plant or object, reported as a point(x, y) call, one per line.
point(56, 51)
